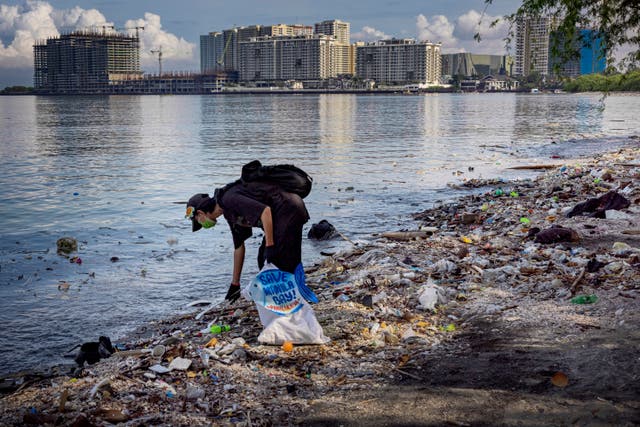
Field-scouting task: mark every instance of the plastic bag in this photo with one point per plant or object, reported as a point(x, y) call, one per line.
point(284, 313)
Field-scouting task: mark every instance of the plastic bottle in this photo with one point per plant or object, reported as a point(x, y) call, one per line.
point(218, 329)
point(584, 299)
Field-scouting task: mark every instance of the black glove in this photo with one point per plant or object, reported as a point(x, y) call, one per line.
point(233, 293)
point(270, 254)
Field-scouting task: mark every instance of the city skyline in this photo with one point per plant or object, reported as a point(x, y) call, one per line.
point(177, 28)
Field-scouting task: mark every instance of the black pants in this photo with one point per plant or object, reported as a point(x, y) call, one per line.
point(289, 216)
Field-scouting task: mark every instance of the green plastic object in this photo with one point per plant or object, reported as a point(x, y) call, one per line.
point(218, 329)
point(499, 192)
point(584, 299)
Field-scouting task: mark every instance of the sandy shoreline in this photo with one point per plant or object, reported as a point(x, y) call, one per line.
point(503, 328)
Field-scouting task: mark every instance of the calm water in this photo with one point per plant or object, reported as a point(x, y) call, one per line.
point(109, 171)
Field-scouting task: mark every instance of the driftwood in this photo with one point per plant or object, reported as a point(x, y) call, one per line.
point(576, 282)
point(632, 232)
point(407, 235)
point(534, 167)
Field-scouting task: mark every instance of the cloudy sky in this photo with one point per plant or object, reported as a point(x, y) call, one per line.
point(177, 25)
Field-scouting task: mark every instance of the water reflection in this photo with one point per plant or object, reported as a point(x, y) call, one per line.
point(336, 131)
point(85, 126)
point(107, 170)
point(432, 125)
point(553, 117)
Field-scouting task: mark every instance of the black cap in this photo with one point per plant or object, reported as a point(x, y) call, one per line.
point(200, 202)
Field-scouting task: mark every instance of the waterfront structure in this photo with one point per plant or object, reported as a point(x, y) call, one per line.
point(499, 83)
point(467, 64)
point(399, 62)
point(175, 84)
point(532, 45)
point(85, 62)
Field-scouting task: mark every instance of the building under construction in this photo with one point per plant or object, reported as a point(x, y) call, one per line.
point(85, 62)
point(109, 63)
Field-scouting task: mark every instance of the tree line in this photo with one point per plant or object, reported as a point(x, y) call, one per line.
point(628, 82)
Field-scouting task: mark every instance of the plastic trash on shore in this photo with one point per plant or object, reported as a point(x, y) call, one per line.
point(429, 295)
point(371, 308)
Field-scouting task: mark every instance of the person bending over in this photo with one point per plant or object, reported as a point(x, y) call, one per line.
point(281, 215)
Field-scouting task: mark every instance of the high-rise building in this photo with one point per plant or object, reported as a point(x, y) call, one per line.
point(342, 62)
point(590, 59)
point(85, 62)
point(232, 39)
point(473, 65)
point(340, 30)
point(307, 57)
point(399, 61)
point(211, 53)
point(221, 51)
point(288, 30)
point(532, 45)
point(592, 55)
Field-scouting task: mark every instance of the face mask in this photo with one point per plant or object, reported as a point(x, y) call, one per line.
point(208, 223)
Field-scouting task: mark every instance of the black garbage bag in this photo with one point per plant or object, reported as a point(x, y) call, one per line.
point(557, 234)
point(594, 265)
point(596, 207)
point(91, 352)
point(322, 231)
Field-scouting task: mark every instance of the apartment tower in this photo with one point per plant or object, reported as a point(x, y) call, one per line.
point(399, 61)
point(532, 45)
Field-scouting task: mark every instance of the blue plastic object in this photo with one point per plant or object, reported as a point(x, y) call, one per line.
point(305, 291)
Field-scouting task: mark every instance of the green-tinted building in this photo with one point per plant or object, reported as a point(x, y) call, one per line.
point(474, 65)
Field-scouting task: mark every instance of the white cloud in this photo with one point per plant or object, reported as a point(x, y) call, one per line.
point(79, 19)
point(154, 37)
point(436, 30)
point(8, 15)
point(458, 36)
point(369, 34)
point(472, 22)
point(21, 26)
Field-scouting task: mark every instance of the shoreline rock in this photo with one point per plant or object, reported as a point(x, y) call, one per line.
point(464, 321)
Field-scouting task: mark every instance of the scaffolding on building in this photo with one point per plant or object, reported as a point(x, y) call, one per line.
point(85, 61)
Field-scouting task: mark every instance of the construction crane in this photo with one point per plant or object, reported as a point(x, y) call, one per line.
point(159, 52)
point(220, 60)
